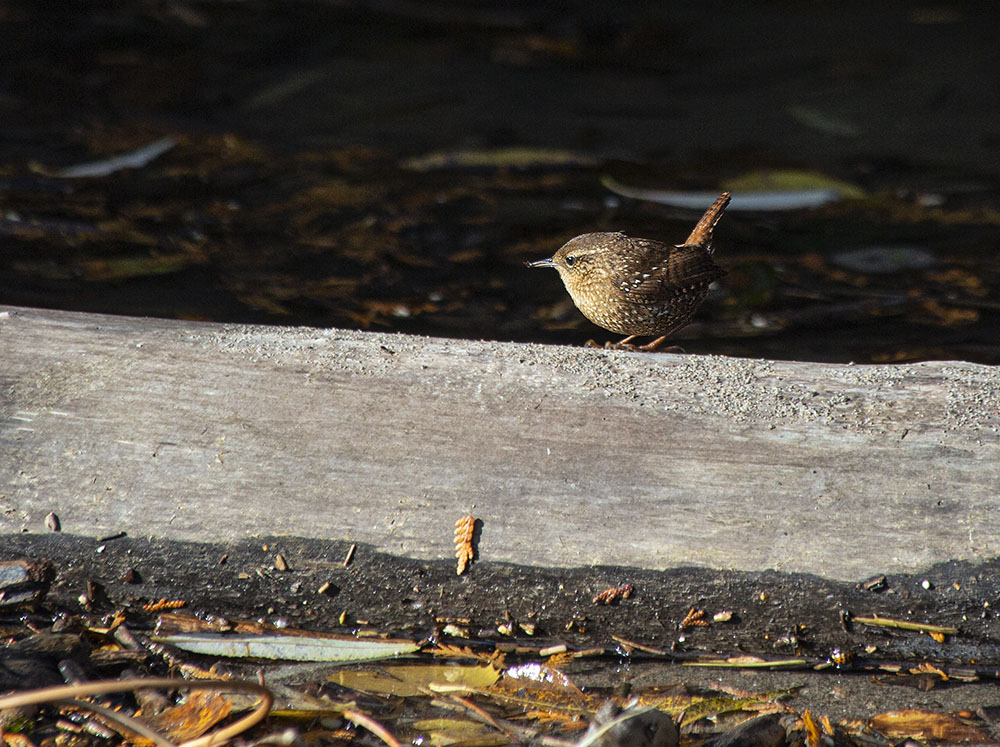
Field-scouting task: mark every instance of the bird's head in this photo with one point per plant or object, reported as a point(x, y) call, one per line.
point(579, 258)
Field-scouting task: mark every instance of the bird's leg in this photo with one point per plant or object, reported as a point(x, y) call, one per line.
point(624, 344)
point(655, 345)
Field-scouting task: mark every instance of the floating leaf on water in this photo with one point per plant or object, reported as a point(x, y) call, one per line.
point(969, 282)
point(925, 725)
point(331, 195)
point(935, 14)
point(134, 160)
point(540, 678)
point(290, 647)
point(715, 705)
point(812, 731)
point(277, 93)
point(452, 731)
point(408, 680)
point(824, 122)
point(542, 689)
point(949, 316)
point(200, 711)
point(881, 260)
point(760, 191)
point(124, 268)
point(519, 158)
point(792, 181)
point(748, 662)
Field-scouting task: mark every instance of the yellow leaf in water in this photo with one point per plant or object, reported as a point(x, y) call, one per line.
point(199, 712)
point(824, 121)
point(123, 268)
point(407, 680)
point(950, 316)
point(919, 724)
point(812, 731)
point(445, 731)
point(791, 180)
point(521, 158)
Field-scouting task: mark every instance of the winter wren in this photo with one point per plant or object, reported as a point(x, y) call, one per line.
point(638, 286)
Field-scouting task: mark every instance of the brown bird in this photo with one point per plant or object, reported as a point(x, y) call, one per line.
point(638, 286)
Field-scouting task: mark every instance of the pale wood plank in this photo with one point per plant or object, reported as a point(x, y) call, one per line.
point(569, 456)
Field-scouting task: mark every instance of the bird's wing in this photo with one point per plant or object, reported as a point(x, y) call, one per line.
point(668, 270)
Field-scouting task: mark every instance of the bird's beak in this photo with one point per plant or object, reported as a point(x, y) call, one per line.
point(541, 263)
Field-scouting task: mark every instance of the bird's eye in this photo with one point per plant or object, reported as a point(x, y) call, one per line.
point(570, 260)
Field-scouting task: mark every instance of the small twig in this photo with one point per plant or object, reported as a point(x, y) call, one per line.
point(638, 646)
point(487, 718)
point(117, 717)
point(517, 735)
point(359, 719)
point(84, 689)
point(745, 664)
point(888, 622)
point(624, 716)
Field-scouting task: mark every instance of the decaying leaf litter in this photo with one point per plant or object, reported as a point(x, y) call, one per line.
point(355, 239)
point(500, 653)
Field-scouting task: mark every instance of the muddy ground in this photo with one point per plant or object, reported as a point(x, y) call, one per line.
point(775, 616)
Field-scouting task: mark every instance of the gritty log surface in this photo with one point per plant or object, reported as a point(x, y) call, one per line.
point(570, 457)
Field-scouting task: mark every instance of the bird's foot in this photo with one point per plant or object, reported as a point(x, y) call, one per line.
point(675, 349)
point(624, 344)
point(655, 345)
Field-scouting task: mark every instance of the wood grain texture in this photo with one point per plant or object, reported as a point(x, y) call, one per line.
point(568, 456)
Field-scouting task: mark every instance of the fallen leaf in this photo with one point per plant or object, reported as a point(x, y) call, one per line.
point(409, 680)
point(915, 723)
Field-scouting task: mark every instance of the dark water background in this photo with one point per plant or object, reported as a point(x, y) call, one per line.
point(363, 164)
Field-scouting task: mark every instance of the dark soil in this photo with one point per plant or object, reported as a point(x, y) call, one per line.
point(775, 616)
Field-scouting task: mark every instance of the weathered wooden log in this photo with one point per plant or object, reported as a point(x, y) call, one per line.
point(569, 456)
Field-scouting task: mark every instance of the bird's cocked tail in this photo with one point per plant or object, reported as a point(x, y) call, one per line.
point(702, 233)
